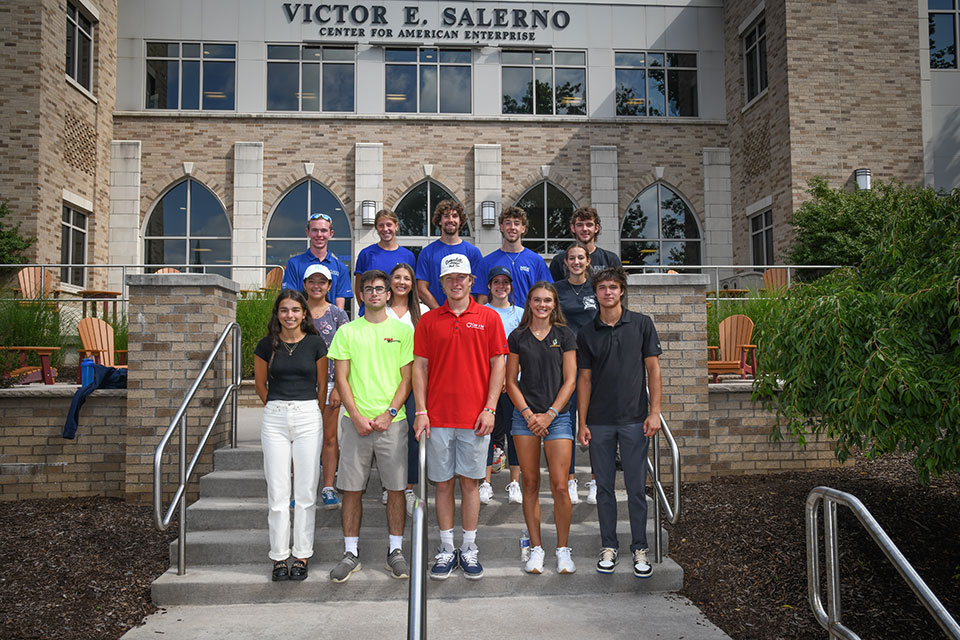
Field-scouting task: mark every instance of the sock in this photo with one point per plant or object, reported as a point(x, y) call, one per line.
point(325, 488)
point(469, 538)
point(446, 539)
point(350, 544)
point(395, 542)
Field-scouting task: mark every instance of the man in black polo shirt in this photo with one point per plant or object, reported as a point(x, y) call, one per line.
point(612, 407)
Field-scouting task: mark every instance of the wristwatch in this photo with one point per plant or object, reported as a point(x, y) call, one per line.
point(393, 412)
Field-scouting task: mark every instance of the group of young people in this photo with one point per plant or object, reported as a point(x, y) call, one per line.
point(446, 355)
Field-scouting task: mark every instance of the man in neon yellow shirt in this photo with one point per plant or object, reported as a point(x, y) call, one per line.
point(373, 366)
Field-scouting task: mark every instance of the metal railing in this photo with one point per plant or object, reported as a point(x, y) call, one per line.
point(660, 502)
point(417, 602)
point(179, 424)
point(829, 618)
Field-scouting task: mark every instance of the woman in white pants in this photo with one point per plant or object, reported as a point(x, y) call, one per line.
point(288, 363)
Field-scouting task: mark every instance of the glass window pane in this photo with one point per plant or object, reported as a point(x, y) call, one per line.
point(768, 218)
point(939, 4)
point(78, 252)
point(756, 240)
point(84, 22)
point(207, 217)
point(400, 55)
point(681, 60)
point(517, 90)
point(323, 201)
point(71, 46)
point(681, 253)
point(79, 220)
point(212, 253)
point(683, 92)
point(218, 50)
point(282, 86)
point(311, 54)
point(279, 251)
point(544, 103)
point(755, 223)
point(401, 88)
point(675, 217)
point(656, 94)
point(165, 252)
point(533, 202)
point(542, 57)
point(640, 220)
point(65, 246)
point(84, 53)
point(282, 52)
point(537, 246)
point(636, 253)
point(455, 89)
point(576, 58)
point(459, 56)
point(631, 92)
point(289, 219)
point(559, 210)
point(412, 212)
point(628, 59)
point(768, 241)
point(218, 85)
point(571, 91)
point(169, 216)
point(943, 41)
point(654, 59)
point(762, 52)
point(516, 57)
point(428, 55)
point(338, 90)
point(753, 87)
point(310, 87)
point(163, 81)
point(428, 88)
point(191, 49)
point(71, 11)
point(163, 50)
point(341, 249)
point(191, 85)
point(338, 53)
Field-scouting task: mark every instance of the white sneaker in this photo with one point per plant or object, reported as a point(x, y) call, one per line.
point(641, 568)
point(411, 499)
point(486, 493)
point(514, 494)
point(572, 490)
point(564, 561)
point(535, 563)
point(592, 492)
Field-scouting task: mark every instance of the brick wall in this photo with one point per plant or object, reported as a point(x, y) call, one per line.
point(37, 462)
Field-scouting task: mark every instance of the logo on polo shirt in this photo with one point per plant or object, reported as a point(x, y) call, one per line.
point(391, 340)
point(524, 267)
point(590, 302)
point(555, 343)
point(475, 325)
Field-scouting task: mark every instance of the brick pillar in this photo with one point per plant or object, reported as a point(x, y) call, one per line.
point(677, 305)
point(174, 321)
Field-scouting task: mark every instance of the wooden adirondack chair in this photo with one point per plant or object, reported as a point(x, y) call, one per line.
point(775, 280)
point(167, 270)
point(274, 278)
point(30, 283)
point(97, 339)
point(735, 349)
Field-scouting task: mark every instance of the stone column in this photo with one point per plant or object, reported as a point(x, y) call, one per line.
point(174, 321)
point(125, 243)
point(604, 194)
point(248, 213)
point(487, 185)
point(717, 207)
point(368, 185)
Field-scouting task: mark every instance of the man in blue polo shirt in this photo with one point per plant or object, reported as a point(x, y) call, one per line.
point(320, 232)
point(449, 217)
point(526, 267)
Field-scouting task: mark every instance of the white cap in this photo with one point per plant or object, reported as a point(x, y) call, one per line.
point(318, 268)
point(454, 263)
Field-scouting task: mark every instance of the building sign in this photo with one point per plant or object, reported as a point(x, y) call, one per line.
point(490, 25)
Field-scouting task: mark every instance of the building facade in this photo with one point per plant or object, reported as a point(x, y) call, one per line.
point(203, 133)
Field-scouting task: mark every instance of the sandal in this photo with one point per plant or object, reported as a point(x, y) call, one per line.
point(299, 570)
point(280, 571)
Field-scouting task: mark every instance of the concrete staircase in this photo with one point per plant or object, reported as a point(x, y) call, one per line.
point(227, 547)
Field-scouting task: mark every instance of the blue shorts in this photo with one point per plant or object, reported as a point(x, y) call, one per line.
point(560, 429)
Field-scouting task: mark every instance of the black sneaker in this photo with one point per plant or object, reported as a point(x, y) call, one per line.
point(609, 557)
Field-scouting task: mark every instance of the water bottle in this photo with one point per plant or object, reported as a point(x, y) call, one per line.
point(524, 545)
point(86, 371)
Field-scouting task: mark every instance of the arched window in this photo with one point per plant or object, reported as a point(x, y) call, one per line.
point(188, 226)
point(286, 232)
point(659, 228)
point(416, 207)
point(549, 210)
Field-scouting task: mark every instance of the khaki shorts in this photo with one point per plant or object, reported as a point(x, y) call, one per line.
point(357, 454)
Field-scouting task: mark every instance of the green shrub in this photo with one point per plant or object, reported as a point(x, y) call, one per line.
point(757, 307)
point(253, 314)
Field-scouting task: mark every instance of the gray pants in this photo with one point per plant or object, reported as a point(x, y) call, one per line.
point(633, 454)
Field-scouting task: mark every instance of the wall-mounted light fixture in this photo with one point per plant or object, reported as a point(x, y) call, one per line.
point(488, 212)
point(862, 176)
point(368, 211)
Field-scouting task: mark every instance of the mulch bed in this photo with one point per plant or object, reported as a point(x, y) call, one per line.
point(742, 544)
point(77, 568)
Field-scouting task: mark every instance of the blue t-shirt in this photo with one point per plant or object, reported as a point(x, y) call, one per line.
point(297, 266)
point(526, 267)
point(376, 257)
point(510, 317)
point(428, 266)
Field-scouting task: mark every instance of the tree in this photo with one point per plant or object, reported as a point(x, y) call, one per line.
point(12, 244)
point(871, 355)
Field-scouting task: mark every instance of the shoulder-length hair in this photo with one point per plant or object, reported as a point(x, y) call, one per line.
point(274, 327)
point(556, 316)
point(413, 298)
point(576, 244)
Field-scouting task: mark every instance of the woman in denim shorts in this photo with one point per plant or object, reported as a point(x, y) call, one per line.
point(543, 356)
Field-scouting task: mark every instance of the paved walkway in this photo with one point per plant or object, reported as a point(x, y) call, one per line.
point(637, 617)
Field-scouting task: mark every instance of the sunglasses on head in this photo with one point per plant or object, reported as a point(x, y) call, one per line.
point(320, 216)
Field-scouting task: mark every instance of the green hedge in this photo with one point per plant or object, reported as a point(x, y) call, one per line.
point(253, 314)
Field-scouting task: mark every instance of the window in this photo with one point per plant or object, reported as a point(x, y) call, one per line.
point(79, 46)
point(73, 246)
point(415, 210)
point(286, 233)
point(761, 237)
point(191, 75)
point(659, 228)
point(755, 59)
point(310, 78)
point(548, 210)
point(942, 25)
point(544, 82)
point(188, 226)
point(656, 84)
point(428, 80)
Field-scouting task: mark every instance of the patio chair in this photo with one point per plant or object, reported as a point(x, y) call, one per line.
point(31, 287)
point(274, 278)
point(96, 336)
point(735, 353)
point(24, 373)
point(167, 270)
point(775, 280)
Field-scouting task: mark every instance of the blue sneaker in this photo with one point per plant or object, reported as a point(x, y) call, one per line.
point(445, 565)
point(470, 562)
point(329, 498)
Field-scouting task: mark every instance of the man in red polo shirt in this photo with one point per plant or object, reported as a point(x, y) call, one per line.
point(458, 371)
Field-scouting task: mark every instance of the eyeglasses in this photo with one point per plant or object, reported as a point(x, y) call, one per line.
point(378, 290)
point(320, 216)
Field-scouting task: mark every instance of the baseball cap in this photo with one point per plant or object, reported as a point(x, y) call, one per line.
point(317, 268)
point(499, 271)
point(454, 263)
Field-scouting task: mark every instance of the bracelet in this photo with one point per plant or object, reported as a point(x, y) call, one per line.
point(527, 408)
point(419, 413)
point(490, 410)
point(555, 414)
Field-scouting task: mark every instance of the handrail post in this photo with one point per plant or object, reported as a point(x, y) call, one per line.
point(417, 602)
point(657, 517)
point(237, 375)
point(182, 533)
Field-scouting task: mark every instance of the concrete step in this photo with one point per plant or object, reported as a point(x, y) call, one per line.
point(250, 583)
point(239, 546)
point(231, 512)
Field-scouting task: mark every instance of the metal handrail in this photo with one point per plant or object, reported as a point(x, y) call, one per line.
point(831, 620)
point(417, 602)
point(660, 495)
point(179, 422)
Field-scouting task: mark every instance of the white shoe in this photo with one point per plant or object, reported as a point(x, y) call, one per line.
point(641, 567)
point(564, 561)
point(486, 493)
point(572, 490)
point(592, 492)
point(514, 494)
point(411, 499)
point(535, 563)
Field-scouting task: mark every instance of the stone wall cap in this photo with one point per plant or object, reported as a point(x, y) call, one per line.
point(185, 279)
point(661, 279)
point(736, 386)
point(57, 391)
